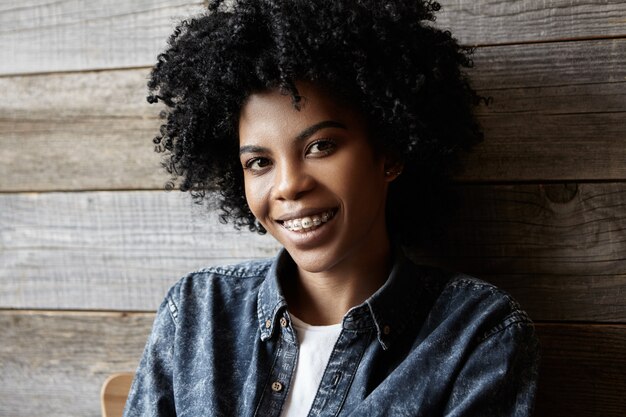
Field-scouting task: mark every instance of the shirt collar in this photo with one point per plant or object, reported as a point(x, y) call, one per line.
point(398, 303)
point(402, 301)
point(271, 300)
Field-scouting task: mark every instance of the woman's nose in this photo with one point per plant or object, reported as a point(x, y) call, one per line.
point(292, 181)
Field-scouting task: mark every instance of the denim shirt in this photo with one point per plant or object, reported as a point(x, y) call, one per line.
point(427, 343)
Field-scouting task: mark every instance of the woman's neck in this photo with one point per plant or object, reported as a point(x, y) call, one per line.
point(323, 298)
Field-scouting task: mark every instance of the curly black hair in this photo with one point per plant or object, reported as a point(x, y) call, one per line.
point(383, 57)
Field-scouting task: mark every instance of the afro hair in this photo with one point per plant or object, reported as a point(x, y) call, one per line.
point(385, 58)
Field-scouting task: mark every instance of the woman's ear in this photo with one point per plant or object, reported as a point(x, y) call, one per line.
point(393, 168)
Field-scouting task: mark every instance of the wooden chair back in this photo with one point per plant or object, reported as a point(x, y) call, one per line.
point(114, 393)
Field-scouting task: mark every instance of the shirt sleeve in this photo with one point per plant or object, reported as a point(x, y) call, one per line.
point(151, 393)
point(500, 376)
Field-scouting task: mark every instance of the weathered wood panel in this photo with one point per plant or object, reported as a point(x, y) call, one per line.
point(54, 364)
point(550, 119)
point(76, 131)
point(57, 362)
point(549, 65)
point(549, 147)
point(108, 94)
point(567, 228)
point(109, 250)
point(92, 131)
point(46, 36)
point(558, 248)
point(582, 370)
point(567, 296)
point(90, 153)
point(511, 21)
point(122, 250)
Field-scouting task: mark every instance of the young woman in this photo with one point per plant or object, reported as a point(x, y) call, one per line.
point(332, 125)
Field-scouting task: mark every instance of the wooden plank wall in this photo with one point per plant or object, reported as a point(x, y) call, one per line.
point(89, 243)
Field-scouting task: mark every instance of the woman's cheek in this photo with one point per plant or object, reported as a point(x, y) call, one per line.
point(257, 196)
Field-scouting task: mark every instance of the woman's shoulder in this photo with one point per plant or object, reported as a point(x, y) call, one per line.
point(473, 291)
point(219, 284)
point(448, 286)
point(247, 269)
point(476, 303)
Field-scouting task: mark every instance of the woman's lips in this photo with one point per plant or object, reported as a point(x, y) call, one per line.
point(308, 223)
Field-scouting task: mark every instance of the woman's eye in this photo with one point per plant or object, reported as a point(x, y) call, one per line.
point(321, 148)
point(256, 164)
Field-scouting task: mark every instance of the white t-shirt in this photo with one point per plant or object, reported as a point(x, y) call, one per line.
point(316, 343)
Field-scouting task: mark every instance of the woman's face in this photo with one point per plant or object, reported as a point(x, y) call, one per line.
point(313, 179)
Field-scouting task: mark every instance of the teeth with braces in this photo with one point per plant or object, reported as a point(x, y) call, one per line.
point(308, 222)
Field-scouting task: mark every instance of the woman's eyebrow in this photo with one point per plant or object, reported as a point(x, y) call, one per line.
point(309, 131)
point(251, 149)
point(305, 134)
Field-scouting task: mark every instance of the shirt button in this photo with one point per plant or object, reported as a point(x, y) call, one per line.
point(283, 322)
point(277, 386)
point(386, 330)
point(268, 323)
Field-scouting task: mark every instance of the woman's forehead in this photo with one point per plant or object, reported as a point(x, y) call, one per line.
point(271, 111)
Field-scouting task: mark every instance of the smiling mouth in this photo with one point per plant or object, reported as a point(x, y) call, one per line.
point(308, 223)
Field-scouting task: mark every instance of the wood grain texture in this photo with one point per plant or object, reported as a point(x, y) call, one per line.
point(582, 370)
point(109, 250)
point(559, 249)
point(47, 36)
point(550, 118)
point(113, 94)
point(54, 364)
point(549, 147)
point(57, 362)
point(513, 21)
point(85, 154)
point(547, 121)
point(76, 131)
point(115, 392)
point(549, 65)
point(43, 36)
